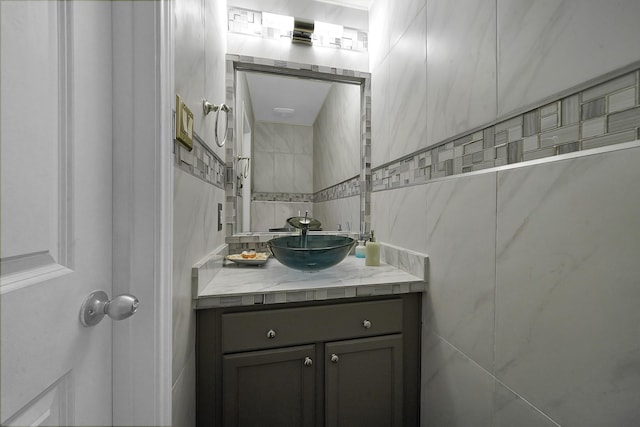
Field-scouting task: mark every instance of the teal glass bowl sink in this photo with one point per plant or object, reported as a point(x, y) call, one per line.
point(320, 251)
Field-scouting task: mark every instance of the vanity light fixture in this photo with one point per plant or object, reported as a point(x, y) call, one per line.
point(302, 32)
point(328, 34)
point(280, 27)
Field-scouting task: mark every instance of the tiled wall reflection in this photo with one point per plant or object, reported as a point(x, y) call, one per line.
point(281, 197)
point(347, 188)
point(200, 162)
point(606, 114)
point(344, 189)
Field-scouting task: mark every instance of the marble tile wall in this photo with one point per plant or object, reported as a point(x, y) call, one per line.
point(266, 215)
point(335, 214)
point(485, 62)
point(195, 234)
point(528, 319)
point(200, 162)
point(336, 137)
point(604, 114)
point(548, 47)
point(461, 97)
point(200, 44)
point(530, 316)
point(567, 287)
point(282, 158)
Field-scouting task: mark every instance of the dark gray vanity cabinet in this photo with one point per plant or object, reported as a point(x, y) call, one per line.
point(255, 383)
point(352, 362)
point(363, 382)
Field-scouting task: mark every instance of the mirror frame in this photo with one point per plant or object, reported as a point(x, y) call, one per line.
point(236, 63)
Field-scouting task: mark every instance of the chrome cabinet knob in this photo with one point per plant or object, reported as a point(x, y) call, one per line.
point(366, 324)
point(97, 305)
point(271, 334)
point(334, 358)
point(308, 361)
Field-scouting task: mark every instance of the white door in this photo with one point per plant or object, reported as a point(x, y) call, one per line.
point(56, 211)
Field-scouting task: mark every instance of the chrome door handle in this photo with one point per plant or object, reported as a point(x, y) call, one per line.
point(97, 305)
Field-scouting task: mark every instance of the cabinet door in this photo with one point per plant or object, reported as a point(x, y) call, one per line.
point(269, 388)
point(364, 382)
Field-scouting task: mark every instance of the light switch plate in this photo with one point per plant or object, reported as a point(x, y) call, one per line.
point(184, 124)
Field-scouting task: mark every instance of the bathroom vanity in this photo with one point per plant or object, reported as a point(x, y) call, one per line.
point(335, 347)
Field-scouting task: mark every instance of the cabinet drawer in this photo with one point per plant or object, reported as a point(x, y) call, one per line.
point(293, 326)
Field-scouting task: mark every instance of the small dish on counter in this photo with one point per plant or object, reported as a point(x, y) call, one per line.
point(259, 259)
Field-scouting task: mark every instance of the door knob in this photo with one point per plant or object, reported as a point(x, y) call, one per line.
point(97, 304)
point(334, 358)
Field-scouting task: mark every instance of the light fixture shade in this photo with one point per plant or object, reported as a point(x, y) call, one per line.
point(277, 22)
point(302, 32)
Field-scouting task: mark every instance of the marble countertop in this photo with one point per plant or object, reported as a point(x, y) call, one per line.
point(275, 283)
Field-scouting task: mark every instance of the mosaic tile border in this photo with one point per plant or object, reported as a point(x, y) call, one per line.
point(200, 162)
point(281, 197)
point(234, 62)
point(348, 188)
point(602, 115)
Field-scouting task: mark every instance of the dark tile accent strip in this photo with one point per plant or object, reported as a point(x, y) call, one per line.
point(200, 162)
point(531, 123)
point(595, 108)
point(624, 120)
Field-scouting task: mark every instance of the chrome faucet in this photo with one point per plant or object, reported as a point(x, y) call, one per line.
point(304, 227)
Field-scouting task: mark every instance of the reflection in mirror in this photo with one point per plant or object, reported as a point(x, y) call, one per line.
point(298, 149)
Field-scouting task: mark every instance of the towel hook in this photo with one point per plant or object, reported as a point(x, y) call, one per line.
point(208, 107)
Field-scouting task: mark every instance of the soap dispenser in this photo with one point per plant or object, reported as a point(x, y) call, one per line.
point(361, 249)
point(372, 257)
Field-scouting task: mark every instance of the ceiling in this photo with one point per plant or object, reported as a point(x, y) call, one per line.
point(304, 96)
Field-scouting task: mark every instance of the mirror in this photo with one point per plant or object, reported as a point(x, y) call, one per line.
point(299, 146)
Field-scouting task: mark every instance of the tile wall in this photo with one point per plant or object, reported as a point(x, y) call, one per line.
point(528, 318)
point(283, 158)
point(198, 180)
point(336, 137)
point(605, 114)
point(200, 162)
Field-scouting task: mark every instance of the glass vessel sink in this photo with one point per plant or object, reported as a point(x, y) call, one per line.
point(311, 252)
